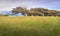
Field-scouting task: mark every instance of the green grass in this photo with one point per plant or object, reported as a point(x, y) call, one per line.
point(30, 26)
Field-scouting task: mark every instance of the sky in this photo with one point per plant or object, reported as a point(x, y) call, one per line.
point(7, 5)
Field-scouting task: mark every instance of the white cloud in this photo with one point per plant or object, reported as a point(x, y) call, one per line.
point(7, 5)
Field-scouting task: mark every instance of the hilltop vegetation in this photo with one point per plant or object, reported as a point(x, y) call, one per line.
point(29, 26)
point(35, 11)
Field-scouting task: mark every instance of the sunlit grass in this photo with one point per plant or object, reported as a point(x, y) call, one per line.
point(30, 26)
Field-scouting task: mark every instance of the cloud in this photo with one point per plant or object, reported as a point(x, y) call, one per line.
point(9, 4)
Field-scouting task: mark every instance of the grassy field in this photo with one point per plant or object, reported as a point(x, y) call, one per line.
point(30, 26)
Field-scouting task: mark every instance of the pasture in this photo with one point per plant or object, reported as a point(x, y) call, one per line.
point(29, 26)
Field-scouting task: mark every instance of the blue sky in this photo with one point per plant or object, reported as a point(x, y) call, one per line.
point(7, 5)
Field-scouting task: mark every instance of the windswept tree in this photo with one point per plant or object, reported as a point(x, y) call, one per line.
point(22, 10)
point(52, 12)
point(35, 13)
point(32, 11)
point(40, 11)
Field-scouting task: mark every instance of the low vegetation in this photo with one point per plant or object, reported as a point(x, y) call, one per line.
point(30, 26)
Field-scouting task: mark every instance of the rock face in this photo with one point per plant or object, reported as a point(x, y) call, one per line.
point(36, 12)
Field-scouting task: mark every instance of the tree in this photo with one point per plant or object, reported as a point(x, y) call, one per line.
point(35, 13)
point(52, 12)
point(22, 10)
point(39, 10)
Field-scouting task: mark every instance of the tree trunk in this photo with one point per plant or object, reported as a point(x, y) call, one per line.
point(31, 15)
point(42, 14)
point(25, 14)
